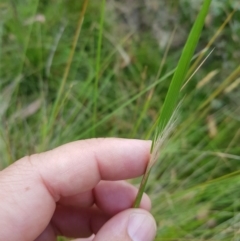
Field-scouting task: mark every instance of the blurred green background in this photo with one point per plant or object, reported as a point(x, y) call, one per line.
point(116, 84)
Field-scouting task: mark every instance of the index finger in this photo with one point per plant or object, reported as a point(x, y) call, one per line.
point(80, 165)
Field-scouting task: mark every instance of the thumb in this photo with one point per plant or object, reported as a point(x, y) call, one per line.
point(129, 225)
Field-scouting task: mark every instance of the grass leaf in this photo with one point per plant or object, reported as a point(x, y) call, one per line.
point(98, 64)
point(182, 69)
point(179, 76)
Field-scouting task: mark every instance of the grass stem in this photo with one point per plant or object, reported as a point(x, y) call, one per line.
point(98, 64)
point(57, 103)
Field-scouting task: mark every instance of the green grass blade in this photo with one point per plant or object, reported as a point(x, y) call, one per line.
point(182, 69)
point(98, 63)
point(179, 76)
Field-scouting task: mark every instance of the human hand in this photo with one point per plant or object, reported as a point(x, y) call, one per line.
point(73, 191)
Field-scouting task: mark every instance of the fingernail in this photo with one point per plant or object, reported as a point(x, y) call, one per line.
point(141, 227)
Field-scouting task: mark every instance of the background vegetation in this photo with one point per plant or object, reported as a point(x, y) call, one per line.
point(117, 82)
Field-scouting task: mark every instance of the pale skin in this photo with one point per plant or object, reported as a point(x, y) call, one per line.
point(77, 190)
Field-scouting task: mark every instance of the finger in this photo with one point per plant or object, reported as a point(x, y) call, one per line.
point(78, 223)
point(47, 235)
point(80, 200)
point(81, 165)
point(85, 239)
point(114, 197)
point(110, 196)
point(30, 187)
point(129, 225)
point(75, 223)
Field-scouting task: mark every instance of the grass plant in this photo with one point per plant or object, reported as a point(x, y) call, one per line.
point(164, 126)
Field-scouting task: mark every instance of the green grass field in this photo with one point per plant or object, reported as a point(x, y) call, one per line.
point(112, 81)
